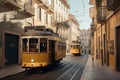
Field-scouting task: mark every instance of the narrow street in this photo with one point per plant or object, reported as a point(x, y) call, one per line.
point(71, 68)
point(59, 40)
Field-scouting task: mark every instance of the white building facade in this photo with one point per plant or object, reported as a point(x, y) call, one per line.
point(61, 11)
point(44, 10)
point(85, 39)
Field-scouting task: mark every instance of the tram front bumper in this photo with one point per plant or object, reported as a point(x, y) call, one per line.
point(31, 65)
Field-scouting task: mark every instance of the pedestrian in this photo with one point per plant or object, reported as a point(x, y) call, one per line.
point(92, 60)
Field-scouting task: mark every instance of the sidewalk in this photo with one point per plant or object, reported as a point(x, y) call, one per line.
point(10, 70)
point(98, 72)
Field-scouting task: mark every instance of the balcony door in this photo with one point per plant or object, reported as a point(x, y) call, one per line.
point(118, 48)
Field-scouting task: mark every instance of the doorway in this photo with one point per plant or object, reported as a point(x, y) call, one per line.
point(52, 50)
point(11, 49)
point(118, 48)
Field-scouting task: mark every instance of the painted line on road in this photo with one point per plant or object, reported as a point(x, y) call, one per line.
point(66, 72)
point(76, 71)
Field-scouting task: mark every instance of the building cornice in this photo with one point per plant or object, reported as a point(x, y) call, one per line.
point(73, 19)
point(65, 3)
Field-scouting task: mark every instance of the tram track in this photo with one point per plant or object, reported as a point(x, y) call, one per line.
point(71, 73)
point(64, 74)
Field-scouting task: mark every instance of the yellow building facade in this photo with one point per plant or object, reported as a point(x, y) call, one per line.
point(106, 30)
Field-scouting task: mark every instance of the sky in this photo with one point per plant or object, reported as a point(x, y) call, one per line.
point(80, 9)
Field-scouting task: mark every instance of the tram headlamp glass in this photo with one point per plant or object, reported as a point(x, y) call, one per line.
point(32, 60)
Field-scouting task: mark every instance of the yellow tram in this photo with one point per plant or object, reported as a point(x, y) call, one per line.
point(75, 48)
point(41, 47)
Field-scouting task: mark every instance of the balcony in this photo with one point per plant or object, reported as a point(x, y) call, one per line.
point(15, 4)
point(92, 12)
point(101, 14)
point(50, 10)
point(91, 2)
point(65, 2)
point(29, 9)
point(93, 26)
point(46, 5)
point(26, 11)
point(112, 4)
point(64, 24)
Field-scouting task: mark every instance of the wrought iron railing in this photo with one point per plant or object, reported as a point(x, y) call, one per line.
point(101, 14)
point(112, 4)
point(91, 2)
point(93, 26)
point(13, 3)
point(47, 5)
point(29, 8)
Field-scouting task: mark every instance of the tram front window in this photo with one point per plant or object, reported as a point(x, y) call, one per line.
point(24, 45)
point(77, 46)
point(43, 45)
point(33, 45)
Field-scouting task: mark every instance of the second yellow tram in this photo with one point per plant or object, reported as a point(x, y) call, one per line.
point(75, 48)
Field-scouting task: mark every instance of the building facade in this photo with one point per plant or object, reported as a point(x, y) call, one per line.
point(61, 11)
point(44, 10)
point(14, 15)
point(106, 29)
point(85, 39)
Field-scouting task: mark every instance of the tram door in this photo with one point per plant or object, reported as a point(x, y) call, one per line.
point(11, 49)
point(52, 50)
point(118, 47)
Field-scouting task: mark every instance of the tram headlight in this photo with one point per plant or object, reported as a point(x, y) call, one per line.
point(32, 60)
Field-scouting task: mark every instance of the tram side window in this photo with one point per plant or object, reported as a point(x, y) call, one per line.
point(59, 46)
point(64, 46)
point(77, 46)
point(43, 45)
point(25, 45)
point(71, 46)
point(33, 45)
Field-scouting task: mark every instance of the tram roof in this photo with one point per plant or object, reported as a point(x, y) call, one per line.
point(75, 42)
point(40, 31)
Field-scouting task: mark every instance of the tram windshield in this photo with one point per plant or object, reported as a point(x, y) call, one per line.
point(75, 46)
point(33, 45)
point(43, 45)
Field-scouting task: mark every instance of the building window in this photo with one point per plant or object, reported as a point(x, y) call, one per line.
point(56, 1)
point(46, 18)
point(15, 1)
point(39, 13)
point(50, 20)
point(30, 2)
